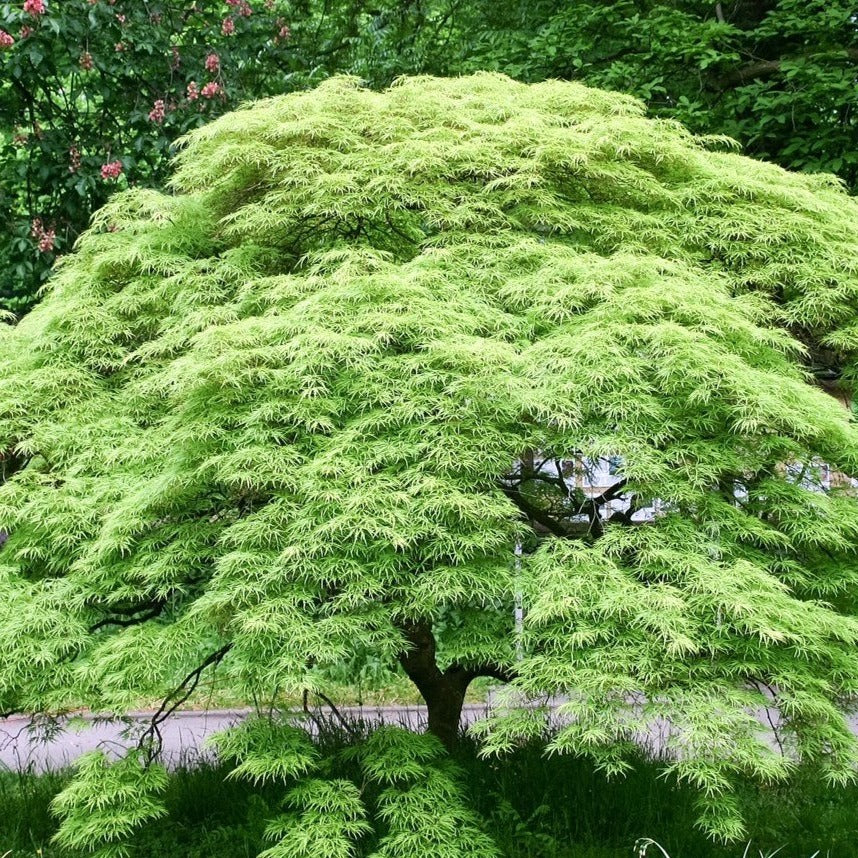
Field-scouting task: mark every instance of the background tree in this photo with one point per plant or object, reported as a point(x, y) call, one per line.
point(92, 94)
point(777, 75)
point(309, 403)
point(81, 82)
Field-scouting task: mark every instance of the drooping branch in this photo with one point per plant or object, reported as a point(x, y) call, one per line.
point(349, 728)
point(175, 699)
point(151, 611)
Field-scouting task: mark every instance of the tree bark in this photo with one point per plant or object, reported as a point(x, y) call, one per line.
point(763, 69)
point(444, 692)
point(445, 703)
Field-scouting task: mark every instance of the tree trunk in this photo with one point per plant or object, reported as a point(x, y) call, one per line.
point(445, 708)
point(444, 692)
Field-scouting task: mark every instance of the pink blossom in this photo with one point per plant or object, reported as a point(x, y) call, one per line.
point(119, 47)
point(111, 170)
point(44, 237)
point(46, 242)
point(210, 90)
point(176, 59)
point(74, 159)
point(26, 31)
point(158, 112)
point(120, 18)
point(227, 27)
point(212, 63)
point(86, 61)
point(34, 7)
point(193, 91)
point(6, 41)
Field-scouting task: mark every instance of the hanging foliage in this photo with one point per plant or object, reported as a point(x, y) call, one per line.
point(309, 403)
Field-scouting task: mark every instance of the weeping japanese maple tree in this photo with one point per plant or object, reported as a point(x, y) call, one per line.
point(339, 391)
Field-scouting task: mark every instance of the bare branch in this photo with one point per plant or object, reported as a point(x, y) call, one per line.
point(349, 728)
point(125, 622)
point(178, 696)
point(762, 69)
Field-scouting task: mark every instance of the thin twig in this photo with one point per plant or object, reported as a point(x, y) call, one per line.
point(309, 713)
point(339, 716)
point(178, 695)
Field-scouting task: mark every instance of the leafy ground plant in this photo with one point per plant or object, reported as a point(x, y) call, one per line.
point(537, 808)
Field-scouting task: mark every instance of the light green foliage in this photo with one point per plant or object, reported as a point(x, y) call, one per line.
point(265, 750)
point(328, 819)
point(422, 805)
point(106, 802)
point(282, 416)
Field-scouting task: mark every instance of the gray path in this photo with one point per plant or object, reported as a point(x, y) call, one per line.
point(27, 744)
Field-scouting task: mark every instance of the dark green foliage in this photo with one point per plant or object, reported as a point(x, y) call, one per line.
point(77, 91)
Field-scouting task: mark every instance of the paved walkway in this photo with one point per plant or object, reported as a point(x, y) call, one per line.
point(31, 744)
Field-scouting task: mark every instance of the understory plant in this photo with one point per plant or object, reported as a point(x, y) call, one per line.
point(483, 378)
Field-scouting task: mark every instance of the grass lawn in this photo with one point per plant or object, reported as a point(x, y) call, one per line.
point(535, 807)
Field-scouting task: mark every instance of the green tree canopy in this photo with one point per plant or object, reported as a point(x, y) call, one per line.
point(313, 399)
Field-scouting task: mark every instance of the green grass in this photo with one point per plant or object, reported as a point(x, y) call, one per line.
point(537, 808)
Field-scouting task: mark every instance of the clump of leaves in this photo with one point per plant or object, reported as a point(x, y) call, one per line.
point(311, 403)
point(107, 802)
